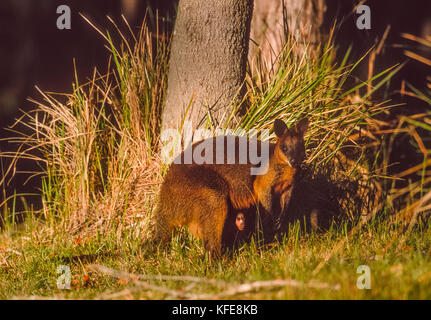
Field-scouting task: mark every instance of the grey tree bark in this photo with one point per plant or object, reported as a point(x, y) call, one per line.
point(208, 59)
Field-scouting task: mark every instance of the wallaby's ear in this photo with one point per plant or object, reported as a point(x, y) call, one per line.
point(302, 126)
point(280, 127)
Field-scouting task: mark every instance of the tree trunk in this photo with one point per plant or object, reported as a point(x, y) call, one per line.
point(272, 21)
point(208, 59)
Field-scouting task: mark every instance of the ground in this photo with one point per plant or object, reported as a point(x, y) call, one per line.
point(399, 265)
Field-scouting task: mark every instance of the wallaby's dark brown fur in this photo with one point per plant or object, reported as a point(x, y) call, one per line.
point(208, 198)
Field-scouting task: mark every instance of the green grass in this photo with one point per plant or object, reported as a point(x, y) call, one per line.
point(399, 271)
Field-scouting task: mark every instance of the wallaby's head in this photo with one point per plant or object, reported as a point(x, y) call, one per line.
point(290, 146)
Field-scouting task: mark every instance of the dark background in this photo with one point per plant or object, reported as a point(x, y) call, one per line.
point(34, 52)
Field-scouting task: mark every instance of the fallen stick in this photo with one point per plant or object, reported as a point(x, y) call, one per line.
point(248, 287)
point(138, 287)
point(134, 278)
point(231, 291)
point(36, 298)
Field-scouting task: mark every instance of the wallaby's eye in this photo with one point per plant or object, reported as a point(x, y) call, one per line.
point(284, 148)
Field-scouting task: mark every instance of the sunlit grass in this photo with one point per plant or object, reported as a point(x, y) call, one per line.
point(30, 259)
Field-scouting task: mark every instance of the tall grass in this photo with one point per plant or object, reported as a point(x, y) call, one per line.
point(415, 195)
point(345, 143)
point(96, 145)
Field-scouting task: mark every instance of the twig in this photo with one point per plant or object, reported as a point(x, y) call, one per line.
point(248, 287)
point(134, 279)
point(36, 298)
point(116, 295)
point(231, 291)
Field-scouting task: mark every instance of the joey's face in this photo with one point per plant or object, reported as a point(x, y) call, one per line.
point(290, 147)
point(240, 221)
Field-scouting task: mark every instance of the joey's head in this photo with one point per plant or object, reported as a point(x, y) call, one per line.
point(290, 148)
point(240, 221)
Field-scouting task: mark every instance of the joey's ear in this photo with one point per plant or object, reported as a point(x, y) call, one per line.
point(301, 126)
point(280, 127)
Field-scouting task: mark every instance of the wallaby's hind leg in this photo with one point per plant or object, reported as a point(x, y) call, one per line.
point(196, 197)
point(213, 222)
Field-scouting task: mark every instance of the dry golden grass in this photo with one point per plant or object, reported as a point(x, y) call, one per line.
point(97, 146)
